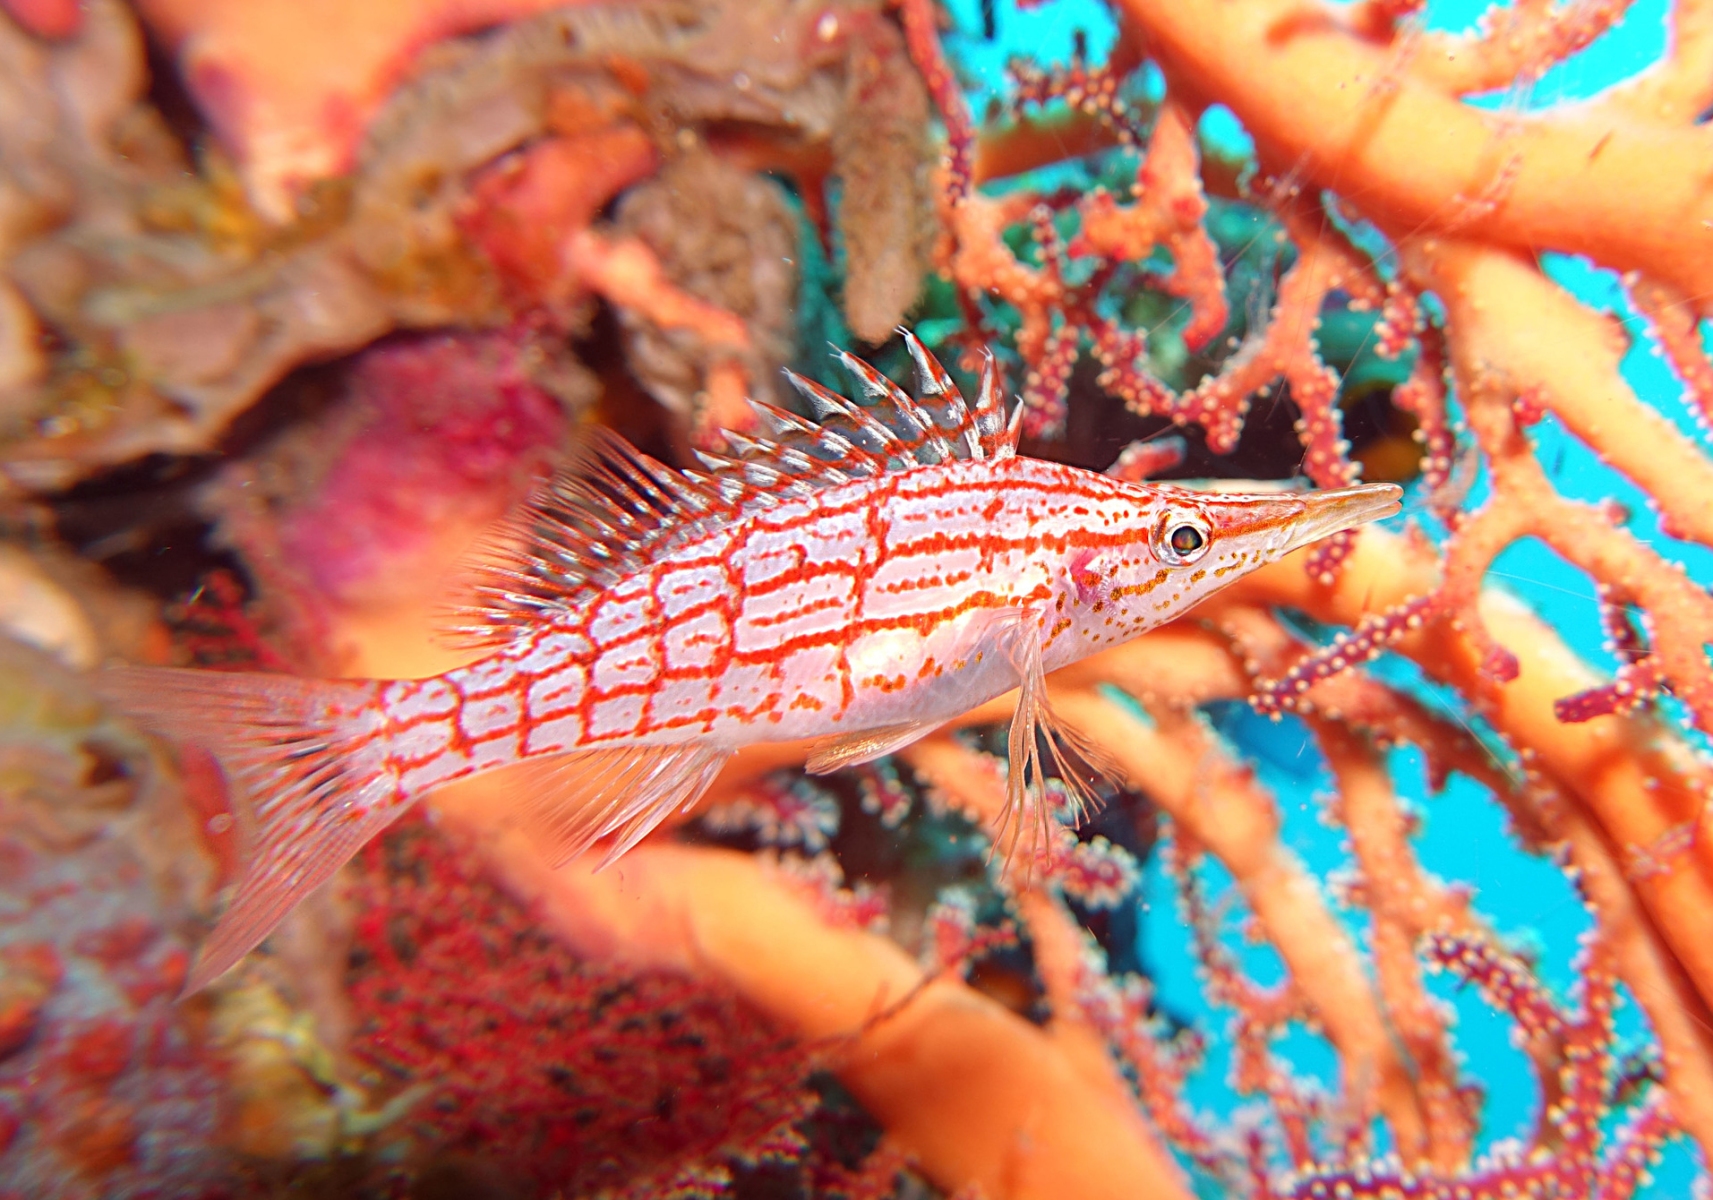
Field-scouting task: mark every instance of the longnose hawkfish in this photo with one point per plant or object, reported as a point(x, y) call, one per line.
point(860, 579)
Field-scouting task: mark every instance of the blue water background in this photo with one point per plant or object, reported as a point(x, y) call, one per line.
point(1463, 833)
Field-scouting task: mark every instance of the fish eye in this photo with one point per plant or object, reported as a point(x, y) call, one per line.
point(1186, 539)
point(1182, 539)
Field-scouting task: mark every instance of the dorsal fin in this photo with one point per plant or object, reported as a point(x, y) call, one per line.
point(912, 425)
point(611, 509)
point(981, 432)
point(587, 526)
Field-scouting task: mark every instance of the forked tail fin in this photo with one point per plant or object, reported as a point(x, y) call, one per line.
point(305, 759)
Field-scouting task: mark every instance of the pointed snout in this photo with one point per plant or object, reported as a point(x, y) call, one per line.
point(1328, 512)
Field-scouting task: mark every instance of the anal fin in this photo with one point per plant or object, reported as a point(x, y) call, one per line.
point(865, 745)
point(574, 800)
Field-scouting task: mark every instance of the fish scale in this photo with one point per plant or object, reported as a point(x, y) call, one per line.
point(858, 580)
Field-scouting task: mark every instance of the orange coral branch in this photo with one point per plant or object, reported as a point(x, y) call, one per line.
point(1679, 1016)
point(46, 18)
point(1677, 325)
point(1525, 502)
point(1544, 816)
point(1515, 45)
point(1509, 321)
point(1169, 209)
point(1680, 85)
point(1222, 808)
point(1404, 902)
point(1542, 812)
point(1020, 145)
point(628, 273)
point(1322, 101)
point(1641, 785)
point(521, 208)
point(976, 1094)
point(920, 18)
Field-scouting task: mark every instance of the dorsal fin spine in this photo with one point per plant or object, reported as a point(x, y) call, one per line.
point(849, 454)
point(781, 422)
point(831, 404)
point(804, 463)
point(987, 417)
point(1013, 433)
point(866, 421)
point(823, 402)
point(759, 473)
point(931, 377)
point(880, 388)
point(613, 509)
point(875, 385)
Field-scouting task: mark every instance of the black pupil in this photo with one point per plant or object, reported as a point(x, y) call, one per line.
point(1186, 539)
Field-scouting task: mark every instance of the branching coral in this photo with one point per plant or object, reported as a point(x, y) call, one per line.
point(1621, 797)
point(1329, 108)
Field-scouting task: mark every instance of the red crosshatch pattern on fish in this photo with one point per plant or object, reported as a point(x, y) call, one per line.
point(860, 578)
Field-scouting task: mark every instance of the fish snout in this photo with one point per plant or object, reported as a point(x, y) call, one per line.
point(1325, 513)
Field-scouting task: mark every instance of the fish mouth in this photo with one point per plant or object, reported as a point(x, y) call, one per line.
point(1328, 512)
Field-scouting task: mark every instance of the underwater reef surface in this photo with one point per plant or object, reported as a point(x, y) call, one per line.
point(1400, 883)
point(106, 1084)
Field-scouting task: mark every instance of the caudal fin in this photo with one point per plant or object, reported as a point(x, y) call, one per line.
point(304, 760)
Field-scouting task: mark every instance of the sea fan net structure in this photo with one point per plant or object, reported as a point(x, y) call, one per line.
point(1403, 883)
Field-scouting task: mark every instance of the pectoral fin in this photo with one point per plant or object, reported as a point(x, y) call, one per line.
point(854, 749)
point(1026, 798)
